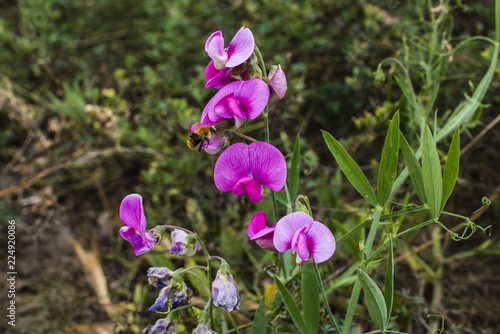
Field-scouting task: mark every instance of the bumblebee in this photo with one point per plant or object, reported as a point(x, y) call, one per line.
point(200, 136)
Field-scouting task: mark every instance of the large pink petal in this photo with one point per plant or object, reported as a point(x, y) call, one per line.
point(209, 116)
point(321, 242)
point(214, 46)
point(267, 165)
point(231, 166)
point(257, 223)
point(240, 48)
point(286, 227)
point(132, 212)
point(217, 78)
point(253, 97)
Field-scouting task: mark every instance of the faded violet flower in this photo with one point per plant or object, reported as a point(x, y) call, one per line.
point(260, 233)
point(239, 49)
point(224, 290)
point(132, 215)
point(162, 326)
point(159, 277)
point(240, 100)
point(305, 237)
point(246, 168)
point(203, 328)
point(214, 143)
point(161, 304)
point(183, 243)
point(277, 81)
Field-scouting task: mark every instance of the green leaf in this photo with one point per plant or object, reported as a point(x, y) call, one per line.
point(451, 168)
point(388, 161)
point(374, 300)
point(310, 298)
point(389, 282)
point(431, 173)
point(260, 320)
point(414, 168)
point(290, 305)
point(351, 169)
point(293, 176)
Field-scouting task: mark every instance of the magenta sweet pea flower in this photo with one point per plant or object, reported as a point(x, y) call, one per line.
point(239, 49)
point(240, 100)
point(305, 237)
point(217, 78)
point(277, 81)
point(246, 168)
point(260, 233)
point(132, 215)
point(215, 142)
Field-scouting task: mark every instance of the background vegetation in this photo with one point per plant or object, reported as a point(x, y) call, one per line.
point(96, 102)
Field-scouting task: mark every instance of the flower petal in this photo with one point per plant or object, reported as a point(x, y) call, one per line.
point(253, 96)
point(143, 243)
point(231, 166)
point(321, 242)
point(209, 116)
point(132, 212)
point(240, 48)
point(267, 165)
point(215, 144)
point(214, 46)
point(257, 223)
point(127, 233)
point(277, 81)
point(217, 78)
point(286, 227)
point(249, 186)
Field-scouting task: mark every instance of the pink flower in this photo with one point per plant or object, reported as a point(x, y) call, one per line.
point(247, 168)
point(132, 215)
point(277, 81)
point(239, 49)
point(217, 78)
point(260, 233)
point(240, 100)
point(305, 237)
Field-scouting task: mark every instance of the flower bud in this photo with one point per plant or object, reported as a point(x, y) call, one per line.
point(159, 277)
point(277, 81)
point(162, 326)
point(180, 295)
point(224, 290)
point(183, 243)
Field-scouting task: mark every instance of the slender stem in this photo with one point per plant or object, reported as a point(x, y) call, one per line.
point(218, 258)
point(325, 298)
point(232, 321)
point(262, 64)
point(373, 231)
point(190, 268)
point(181, 228)
point(209, 276)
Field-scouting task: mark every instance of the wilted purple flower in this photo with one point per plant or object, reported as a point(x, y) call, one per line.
point(239, 49)
point(240, 100)
point(203, 328)
point(132, 215)
point(225, 291)
point(159, 277)
point(215, 142)
point(179, 296)
point(277, 81)
point(247, 168)
point(181, 244)
point(260, 233)
point(162, 326)
point(305, 237)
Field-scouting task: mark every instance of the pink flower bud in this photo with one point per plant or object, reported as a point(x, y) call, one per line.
point(277, 81)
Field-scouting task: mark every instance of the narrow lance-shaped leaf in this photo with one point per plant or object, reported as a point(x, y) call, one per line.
point(351, 169)
point(291, 307)
point(389, 161)
point(451, 168)
point(260, 320)
point(431, 173)
point(389, 282)
point(293, 176)
point(413, 166)
point(374, 300)
point(310, 298)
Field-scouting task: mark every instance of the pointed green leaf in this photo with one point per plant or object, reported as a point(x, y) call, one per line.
point(310, 298)
point(414, 168)
point(451, 167)
point(293, 176)
point(389, 282)
point(291, 307)
point(260, 320)
point(374, 300)
point(431, 173)
point(351, 169)
point(389, 161)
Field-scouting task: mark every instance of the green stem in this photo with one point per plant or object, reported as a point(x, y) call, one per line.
point(209, 276)
point(325, 298)
point(373, 231)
